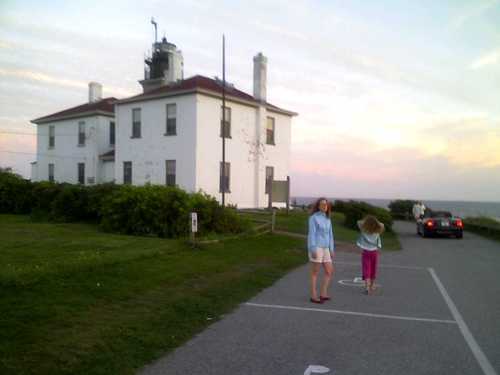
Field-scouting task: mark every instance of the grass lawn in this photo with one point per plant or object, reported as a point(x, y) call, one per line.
point(78, 301)
point(297, 222)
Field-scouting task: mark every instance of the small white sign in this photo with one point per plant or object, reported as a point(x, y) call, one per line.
point(194, 222)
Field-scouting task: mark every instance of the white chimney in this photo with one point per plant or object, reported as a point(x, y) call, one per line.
point(260, 77)
point(95, 92)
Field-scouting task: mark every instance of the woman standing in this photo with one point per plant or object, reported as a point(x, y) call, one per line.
point(321, 248)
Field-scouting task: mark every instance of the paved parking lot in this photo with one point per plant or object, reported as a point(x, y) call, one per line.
point(412, 325)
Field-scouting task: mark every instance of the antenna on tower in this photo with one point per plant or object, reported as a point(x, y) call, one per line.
point(156, 29)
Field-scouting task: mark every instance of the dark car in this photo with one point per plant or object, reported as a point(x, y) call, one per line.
point(440, 223)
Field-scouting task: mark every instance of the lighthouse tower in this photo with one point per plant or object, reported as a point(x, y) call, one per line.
point(164, 66)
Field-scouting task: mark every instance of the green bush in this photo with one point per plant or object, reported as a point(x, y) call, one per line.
point(227, 220)
point(354, 211)
point(212, 217)
point(165, 212)
point(402, 209)
point(206, 207)
point(97, 195)
point(482, 222)
point(146, 210)
point(15, 193)
point(70, 204)
point(485, 226)
point(44, 193)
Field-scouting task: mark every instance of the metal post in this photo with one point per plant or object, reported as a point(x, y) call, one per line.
point(270, 203)
point(194, 228)
point(223, 119)
point(156, 29)
point(287, 194)
point(273, 221)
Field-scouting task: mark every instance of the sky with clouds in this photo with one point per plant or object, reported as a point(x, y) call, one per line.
point(396, 99)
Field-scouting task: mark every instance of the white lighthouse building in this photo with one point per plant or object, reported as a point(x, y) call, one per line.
point(171, 134)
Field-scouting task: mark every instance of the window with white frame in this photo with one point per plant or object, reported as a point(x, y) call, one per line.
point(170, 168)
point(81, 173)
point(225, 123)
point(51, 172)
point(112, 133)
point(171, 119)
point(270, 131)
point(269, 178)
point(127, 172)
point(52, 136)
point(81, 133)
point(136, 123)
point(225, 178)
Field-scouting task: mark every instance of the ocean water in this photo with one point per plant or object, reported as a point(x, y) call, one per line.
point(458, 208)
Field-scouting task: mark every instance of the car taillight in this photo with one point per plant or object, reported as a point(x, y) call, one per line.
point(430, 223)
point(459, 223)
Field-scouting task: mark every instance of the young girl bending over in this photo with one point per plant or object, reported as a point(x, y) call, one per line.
point(369, 241)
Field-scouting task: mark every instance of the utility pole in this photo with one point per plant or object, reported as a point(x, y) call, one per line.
point(223, 119)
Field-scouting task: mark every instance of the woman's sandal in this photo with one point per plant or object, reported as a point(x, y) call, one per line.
point(323, 299)
point(315, 300)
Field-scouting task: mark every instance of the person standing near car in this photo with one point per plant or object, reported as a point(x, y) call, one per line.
point(418, 210)
point(321, 249)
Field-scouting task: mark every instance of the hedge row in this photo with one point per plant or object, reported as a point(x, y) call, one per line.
point(354, 211)
point(143, 210)
point(485, 226)
point(402, 209)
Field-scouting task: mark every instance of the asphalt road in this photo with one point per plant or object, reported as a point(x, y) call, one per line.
point(437, 311)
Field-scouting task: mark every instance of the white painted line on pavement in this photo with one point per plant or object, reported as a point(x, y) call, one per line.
point(352, 313)
point(473, 345)
point(316, 369)
point(382, 265)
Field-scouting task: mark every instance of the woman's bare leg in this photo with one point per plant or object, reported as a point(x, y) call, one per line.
point(327, 277)
point(315, 267)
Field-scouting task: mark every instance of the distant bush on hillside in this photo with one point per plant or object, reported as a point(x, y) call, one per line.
point(15, 193)
point(402, 209)
point(355, 210)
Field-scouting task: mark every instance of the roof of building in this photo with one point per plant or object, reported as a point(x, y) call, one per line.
point(104, 107)
point(205, 85)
